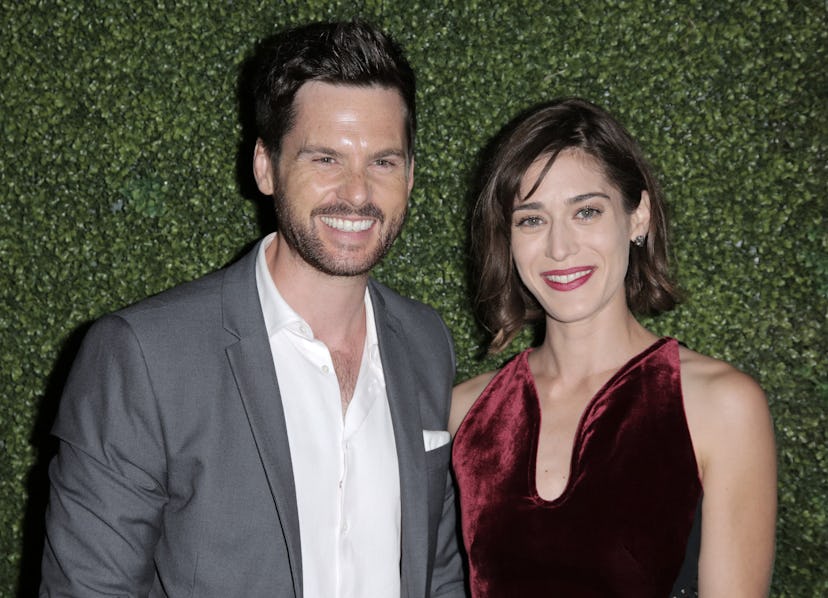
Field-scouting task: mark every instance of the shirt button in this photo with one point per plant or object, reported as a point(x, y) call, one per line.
point(303, 329)
point(325, 369)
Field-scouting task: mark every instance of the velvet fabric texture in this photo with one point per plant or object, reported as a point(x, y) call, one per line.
point(621, 525)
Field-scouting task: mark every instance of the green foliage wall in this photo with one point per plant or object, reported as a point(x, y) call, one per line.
point(118, 155)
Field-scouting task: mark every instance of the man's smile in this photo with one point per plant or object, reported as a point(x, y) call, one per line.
point(348, 226)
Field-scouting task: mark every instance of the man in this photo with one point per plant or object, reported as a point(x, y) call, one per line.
point(276, 428)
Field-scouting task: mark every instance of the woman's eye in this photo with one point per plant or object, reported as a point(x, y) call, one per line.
point(529, 221)
point(588, 213)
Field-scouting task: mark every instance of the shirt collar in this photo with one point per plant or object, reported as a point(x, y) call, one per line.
point(279, 315)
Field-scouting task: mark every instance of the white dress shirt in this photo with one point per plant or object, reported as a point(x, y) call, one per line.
point(345, 469)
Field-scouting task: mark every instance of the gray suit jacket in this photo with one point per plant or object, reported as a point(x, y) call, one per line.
point(174, 476)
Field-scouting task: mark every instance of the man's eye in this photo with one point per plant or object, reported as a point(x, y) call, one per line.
point(325, 160)
point(385, 163)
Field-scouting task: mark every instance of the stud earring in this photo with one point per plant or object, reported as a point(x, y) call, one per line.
point(639, 241)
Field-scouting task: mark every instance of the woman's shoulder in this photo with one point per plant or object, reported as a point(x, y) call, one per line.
point(464, 395)
point(725, 408)
point(712, 381)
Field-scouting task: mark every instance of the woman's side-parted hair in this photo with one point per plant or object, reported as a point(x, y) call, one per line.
point(503, 303)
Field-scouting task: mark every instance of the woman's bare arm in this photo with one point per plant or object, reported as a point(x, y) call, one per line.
point(733, 436)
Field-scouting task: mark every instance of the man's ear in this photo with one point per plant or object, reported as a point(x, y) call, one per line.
point(640, 218)
point(411, 175)
point(263, 168)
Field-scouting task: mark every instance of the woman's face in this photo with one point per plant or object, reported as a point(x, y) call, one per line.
point(571, 238)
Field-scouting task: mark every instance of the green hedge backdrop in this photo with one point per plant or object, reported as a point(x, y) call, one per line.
point(118, 178)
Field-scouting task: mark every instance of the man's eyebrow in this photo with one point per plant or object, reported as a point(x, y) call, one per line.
point(536, 205)
point(329, 151)
point(317, 149)
point(391, 151)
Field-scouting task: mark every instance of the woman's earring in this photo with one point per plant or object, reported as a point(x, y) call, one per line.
point(639, 241)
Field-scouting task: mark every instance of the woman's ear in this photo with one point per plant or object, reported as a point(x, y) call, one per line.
point(640, 218)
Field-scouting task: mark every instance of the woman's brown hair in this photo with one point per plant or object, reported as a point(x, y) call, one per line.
point(544, 131)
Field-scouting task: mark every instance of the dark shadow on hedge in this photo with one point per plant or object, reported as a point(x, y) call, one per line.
point(473, 186)
point(265, 215)
point(37, 483)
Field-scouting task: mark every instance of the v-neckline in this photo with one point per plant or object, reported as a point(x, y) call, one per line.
point(577, 439)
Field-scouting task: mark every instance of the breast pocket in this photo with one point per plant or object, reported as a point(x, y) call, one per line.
point(438, 458)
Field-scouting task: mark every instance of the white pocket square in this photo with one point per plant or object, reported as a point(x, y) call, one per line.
point(434, 439)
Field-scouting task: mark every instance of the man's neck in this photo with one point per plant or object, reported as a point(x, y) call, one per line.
point(333, 306)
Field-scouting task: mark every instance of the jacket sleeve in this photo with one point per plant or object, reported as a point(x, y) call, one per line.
point(448, 576)
point(107, 480)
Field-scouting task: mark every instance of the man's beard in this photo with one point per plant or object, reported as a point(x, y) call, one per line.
point(304, 238)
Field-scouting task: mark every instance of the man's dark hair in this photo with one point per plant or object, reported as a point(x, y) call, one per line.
point(503, 303)
point(346, 53)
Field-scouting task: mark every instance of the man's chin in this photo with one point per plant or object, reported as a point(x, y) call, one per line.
point(335, 257)
point(337, 265)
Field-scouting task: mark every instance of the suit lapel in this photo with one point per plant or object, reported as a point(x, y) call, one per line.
point(401, 388)
point(251, 363)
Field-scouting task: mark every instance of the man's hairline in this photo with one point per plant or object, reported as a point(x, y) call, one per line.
point(274, 156)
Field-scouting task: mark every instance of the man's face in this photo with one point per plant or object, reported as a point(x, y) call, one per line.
point(343, 176)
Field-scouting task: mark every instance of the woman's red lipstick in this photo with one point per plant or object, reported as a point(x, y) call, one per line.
point(569, 279)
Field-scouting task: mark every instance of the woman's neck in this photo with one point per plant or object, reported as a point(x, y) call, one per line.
point(581, 349)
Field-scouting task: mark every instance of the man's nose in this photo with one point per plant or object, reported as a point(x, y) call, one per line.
point(354, 187)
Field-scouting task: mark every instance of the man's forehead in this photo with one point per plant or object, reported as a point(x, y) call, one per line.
point(368, 108)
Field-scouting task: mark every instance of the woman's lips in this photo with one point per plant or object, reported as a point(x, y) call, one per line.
point(569, 279)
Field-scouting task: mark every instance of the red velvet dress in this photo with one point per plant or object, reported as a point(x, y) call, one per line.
point(621, 525)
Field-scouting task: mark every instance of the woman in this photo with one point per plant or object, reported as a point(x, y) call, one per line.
point(582, 462)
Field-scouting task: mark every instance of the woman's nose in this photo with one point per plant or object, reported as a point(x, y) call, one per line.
point(561, 242)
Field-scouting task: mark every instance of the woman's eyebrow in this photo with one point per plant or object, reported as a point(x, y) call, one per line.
point(536, 205)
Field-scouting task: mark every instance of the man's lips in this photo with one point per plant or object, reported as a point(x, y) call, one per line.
point(569, 279)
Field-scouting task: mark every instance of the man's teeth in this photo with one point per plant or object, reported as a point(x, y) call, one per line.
point(348, 226)
point(566, 278)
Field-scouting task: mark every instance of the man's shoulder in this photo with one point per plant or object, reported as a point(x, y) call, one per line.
point(401, 305)
point(193, 301)
point(180, 298)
